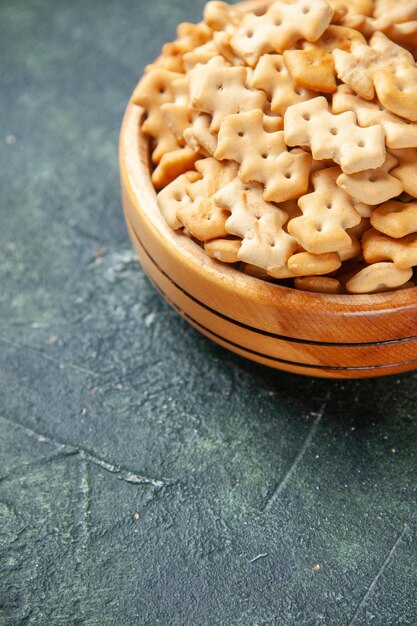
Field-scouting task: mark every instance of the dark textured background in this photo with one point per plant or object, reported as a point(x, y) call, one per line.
point(111, 406)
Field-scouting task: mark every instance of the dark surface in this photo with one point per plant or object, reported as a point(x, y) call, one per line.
point(111, 405)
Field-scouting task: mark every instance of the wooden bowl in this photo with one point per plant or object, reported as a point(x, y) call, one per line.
point(334, 336)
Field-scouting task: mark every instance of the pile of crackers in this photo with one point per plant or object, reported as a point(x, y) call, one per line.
point(284, 141)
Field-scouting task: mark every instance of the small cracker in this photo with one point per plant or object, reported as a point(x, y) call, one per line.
point(199, 137)
point(307, 264)
point(281, 26)
point(172, 165)
point(154, 90)
point(203, 54)
point(318, 284)
point(311, 69)
point(359, 68)
point(406, 171)
point(174, 197)
point(378, 247)
point(361, 7)
point(225, 250)
point(395, 219)
point(263, 156)
point(220, 90)
point(397, 90)
point(177, 114)
point(372, 187)
point(339, 37)
point(399, 133)
point(353, 251)
point(327, 213)
point(272, 76)
point(260, 225)
point(203, 218)
point(378, 278)
point(220, 16)
point(336, 137)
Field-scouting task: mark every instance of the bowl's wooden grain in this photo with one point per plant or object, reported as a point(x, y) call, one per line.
point(341, 336)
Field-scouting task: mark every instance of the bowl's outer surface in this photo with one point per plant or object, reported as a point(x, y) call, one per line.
point(341, 336)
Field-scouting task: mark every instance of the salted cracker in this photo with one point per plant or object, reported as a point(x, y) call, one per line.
point(260, 224)
point(358, 68)
point(225, 250)
point(221, 90)
point(311, 69)
point(397, 90)
point(377, 278)
point(271, 75)
point(154, 90)
point(282, 25)
point(399, 133)
point(395, 219)
point(375, 186)
point(198, 135)
point(327, 213)
point(336, 137)
point(379, 247)
point(175, 197)
point(307, 264)
point(203, 218)
point(263, 156)
point(406, 171)
point(172, 165)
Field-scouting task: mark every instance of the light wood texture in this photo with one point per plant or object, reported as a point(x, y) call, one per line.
point(340, 336)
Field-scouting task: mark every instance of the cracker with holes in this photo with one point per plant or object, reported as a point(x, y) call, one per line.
point(359, 68)
point(177, 114)
point(378, 247)
point(373, 187)
point(271, 75)
point(221, 90)
point(155, 89)
point(263, 156)
point(336, 137)
point(283, 24)
point(311, 69)
point(174, 196)
point(327, 213)
point(397, 90)
point(395, 219)
point(399, 133)
point(260, 225)
point(203, 218)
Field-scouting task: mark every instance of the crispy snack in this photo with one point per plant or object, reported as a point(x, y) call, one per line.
point(174, 197)
point(361, 7)
point(399, 133)
point(406, 172)
point(172, 165)
point(373, 187)
point(263, 156)
point(272, 76)
point(260, 225)
point(307, 264)
point(377, 278)
point(358, 68)
point(318, 284)
point(397, 90)
point(378, 247)
point(199, 137)
point(202, 55)
point(220, 91)
point(177, 114)
point(311, 69)
point(225, 250)
point(203, 218)
point(339, 37)
point(327, 213)
point(155, 89)
point(220, 16)
point(189, 36)
point(395, 219)
point(336, 137)
point(283, 24)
